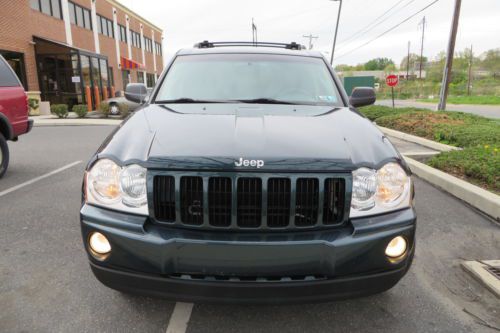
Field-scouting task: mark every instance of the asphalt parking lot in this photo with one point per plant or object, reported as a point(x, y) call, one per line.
point(46, 284)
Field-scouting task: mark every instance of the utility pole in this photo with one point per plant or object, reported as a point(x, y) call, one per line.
point(254, 33)
point(336, 31)
point(422, 47)
point(471, 59)
point(310, 37)
point(408, 63)
point(449, 57)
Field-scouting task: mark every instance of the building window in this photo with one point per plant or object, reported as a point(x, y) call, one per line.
point(49, 7)
point(125, 78)
point(16, 61)
point(148, 44)
point(150, 80)
point(136, 39)
point(140, 77)
point(158, 50)
point(105, 26)
point(79, 16)
point(123, 33)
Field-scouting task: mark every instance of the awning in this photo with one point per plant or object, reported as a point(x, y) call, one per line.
point(130, 64)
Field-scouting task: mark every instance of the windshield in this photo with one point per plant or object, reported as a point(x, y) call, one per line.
point(251, 78)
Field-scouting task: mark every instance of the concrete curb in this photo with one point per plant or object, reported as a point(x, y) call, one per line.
point(485, 201)
point(418, 140)
point(76, 122)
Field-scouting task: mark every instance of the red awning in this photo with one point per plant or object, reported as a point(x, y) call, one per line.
point(130, 64)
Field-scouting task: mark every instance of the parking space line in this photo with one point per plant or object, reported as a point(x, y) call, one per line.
point(34, 180)
point(180, 318)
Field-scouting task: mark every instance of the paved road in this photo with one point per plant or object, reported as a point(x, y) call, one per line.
point(489, 111)
point(47, 286)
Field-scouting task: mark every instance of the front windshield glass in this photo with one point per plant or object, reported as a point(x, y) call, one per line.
point(259, 78)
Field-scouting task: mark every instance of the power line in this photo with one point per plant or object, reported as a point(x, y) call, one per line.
point(389, 30)
point(372, 22)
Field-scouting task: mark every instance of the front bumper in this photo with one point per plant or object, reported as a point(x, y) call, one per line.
point(154, 260)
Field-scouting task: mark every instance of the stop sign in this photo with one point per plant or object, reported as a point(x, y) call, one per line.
point(392, 80)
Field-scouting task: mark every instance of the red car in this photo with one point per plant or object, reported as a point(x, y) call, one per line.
point(13, 111)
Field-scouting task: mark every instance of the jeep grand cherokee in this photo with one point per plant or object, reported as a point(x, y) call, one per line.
point(248, 176)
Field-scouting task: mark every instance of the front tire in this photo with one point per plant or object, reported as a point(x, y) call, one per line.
point(4, 155)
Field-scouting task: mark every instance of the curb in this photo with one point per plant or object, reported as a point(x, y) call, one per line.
point(418, 140)
point(485, 201)
point(70, 122)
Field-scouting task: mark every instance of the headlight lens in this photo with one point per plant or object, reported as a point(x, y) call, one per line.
point(110, 186)
point(104, 182)
point(392, 183)
point(381, 191)
point(364, 188)
point(133, 186)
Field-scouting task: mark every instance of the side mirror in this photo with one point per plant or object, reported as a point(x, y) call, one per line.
point(136, 92)
point(362, 96)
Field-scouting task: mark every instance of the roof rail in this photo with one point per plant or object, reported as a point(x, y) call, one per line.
point(290, 46)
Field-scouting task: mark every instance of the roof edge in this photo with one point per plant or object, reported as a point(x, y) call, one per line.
point(132, 13)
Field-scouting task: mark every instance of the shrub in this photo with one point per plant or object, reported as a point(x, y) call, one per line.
point(105, 109)
point(80, 110)
point(60, 110)
point(124, 110)
point(33, 104)
point(478, 165)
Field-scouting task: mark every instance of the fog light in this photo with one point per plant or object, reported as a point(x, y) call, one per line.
point(396, 248)
point(99, 243)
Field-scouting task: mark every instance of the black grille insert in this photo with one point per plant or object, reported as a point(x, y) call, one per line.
point(241, 201)
point(164, 198)
point(219, 201)
point(333, 206)
point(249, 201)
point(278, 202)
point(306, 206)
point(192, 200)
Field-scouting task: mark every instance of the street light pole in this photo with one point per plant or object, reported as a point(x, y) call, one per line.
point(336, 30)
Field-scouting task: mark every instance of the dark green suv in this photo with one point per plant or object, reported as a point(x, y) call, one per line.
point(248, 176)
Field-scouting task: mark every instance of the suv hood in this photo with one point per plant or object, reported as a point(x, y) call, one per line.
point(311, 139)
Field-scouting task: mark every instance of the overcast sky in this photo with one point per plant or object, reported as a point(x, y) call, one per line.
point(188, 21)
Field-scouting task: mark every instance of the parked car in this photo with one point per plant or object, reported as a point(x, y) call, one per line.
point(14, 111)
point(248, 176)
point(116, 101)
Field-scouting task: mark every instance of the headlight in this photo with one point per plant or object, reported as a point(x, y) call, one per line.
point(133, 186)
point(110, 186)
point(381, 191)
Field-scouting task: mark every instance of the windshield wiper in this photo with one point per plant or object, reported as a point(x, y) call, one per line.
point(264, 101)
point(185, 100)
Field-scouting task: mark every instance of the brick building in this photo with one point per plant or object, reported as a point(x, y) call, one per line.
point(78, 51)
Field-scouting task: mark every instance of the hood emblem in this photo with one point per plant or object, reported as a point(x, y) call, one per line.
point(253, 163)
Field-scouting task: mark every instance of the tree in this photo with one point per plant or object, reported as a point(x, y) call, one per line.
point(491, 61)
point(389, 69)
point(378, 64)
point(414, 62)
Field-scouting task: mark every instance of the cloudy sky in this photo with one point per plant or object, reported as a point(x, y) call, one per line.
point(188, 21)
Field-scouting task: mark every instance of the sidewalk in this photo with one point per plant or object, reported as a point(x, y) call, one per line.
point(489, 111)
point(72, 120)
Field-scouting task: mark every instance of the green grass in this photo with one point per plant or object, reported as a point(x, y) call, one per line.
point(478, 162)
point(477, 100)
point(480, 166)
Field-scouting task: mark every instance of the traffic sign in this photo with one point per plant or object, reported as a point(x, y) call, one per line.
point(392, 80)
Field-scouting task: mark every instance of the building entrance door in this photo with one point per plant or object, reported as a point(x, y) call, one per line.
point(71, 76)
